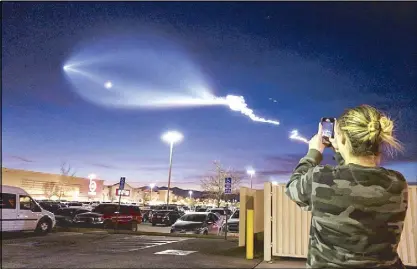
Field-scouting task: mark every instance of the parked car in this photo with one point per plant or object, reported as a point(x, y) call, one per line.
point(146, 215)
point(20, 212)
point(65, 216)
point(74, 204)
point(232, 223)
point(197, 223)
point(221, 212)
point(165, 217)
point(106, 216)
point(50, 206)
point(164, 207)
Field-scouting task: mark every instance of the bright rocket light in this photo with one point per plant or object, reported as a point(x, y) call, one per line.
point(296, 136)
point(108, 85)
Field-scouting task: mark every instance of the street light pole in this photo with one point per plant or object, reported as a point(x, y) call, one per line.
point(171, 150)
point(171, 137)
point(251, 172)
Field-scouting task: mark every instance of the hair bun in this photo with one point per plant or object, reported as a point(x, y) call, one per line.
point(374, 126)
point(386, 124)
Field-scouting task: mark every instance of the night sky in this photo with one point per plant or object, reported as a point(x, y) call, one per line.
point(314, 59)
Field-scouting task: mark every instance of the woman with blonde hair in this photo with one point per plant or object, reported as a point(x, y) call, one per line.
point(358, 208)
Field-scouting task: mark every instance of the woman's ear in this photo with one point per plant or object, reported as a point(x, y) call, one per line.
point(343, 139)
point(340, 136)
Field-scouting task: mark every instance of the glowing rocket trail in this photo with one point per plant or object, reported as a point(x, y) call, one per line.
point(237, 103)
point(296, 136)
point(125, 95)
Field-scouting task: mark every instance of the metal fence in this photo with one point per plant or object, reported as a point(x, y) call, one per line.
point(287, 227)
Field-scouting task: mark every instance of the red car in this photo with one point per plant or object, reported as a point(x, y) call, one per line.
point(106, 215)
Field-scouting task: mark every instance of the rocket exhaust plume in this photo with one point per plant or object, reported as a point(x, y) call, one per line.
point(237, 103)
point(296, 136)
point(144, 70)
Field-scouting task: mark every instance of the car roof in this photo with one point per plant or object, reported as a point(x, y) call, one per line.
point(198, 213)
point(13, 190)
point(116, 204)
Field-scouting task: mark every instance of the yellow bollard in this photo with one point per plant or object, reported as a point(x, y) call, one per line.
point(249, 234)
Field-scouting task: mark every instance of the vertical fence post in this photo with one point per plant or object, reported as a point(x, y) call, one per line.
point(249, 234)
point(267, 221)
point(242, 217)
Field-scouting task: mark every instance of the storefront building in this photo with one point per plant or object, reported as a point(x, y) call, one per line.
point(53, 186)
point(127, 195)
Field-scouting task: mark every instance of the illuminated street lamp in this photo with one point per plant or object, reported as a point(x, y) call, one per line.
point(250, 172)
point(152, 185)
point(190, 193)
point(171, 137)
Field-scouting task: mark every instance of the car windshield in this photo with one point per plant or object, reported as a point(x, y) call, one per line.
point(194, 217)
point(235, 215)
point(80, 211)
point(219, 211)
point(162, 211)
point(65, 212)
point(75, 204)
point(105, 209)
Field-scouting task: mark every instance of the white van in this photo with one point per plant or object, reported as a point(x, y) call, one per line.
point(19, 212)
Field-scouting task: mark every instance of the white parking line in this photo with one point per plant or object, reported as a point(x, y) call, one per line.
point(24, 244)
point(175, 252)
point(134, 243)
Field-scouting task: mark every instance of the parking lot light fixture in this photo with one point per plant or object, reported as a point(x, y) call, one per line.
point(171, 137)
point(251, 172)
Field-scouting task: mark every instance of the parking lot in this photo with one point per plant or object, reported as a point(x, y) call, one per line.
point(147, 227)
point(99, 249)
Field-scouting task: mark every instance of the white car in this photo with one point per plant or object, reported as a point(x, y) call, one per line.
point(20, 212)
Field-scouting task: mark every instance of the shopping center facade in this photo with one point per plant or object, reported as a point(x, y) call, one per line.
point(53, 186)
point(72, 188)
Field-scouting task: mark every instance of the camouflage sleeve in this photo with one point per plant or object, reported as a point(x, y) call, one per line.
point(339, 159)
point(298, 188)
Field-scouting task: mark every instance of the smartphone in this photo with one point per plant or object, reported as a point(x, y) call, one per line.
point(327, 125)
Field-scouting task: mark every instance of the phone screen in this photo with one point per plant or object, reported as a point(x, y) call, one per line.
point(327, 128)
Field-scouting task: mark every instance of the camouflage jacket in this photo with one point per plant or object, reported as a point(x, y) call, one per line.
point(357, 212)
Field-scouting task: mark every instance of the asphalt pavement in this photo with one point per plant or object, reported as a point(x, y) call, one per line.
point(147, 227)
point(103, 250)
